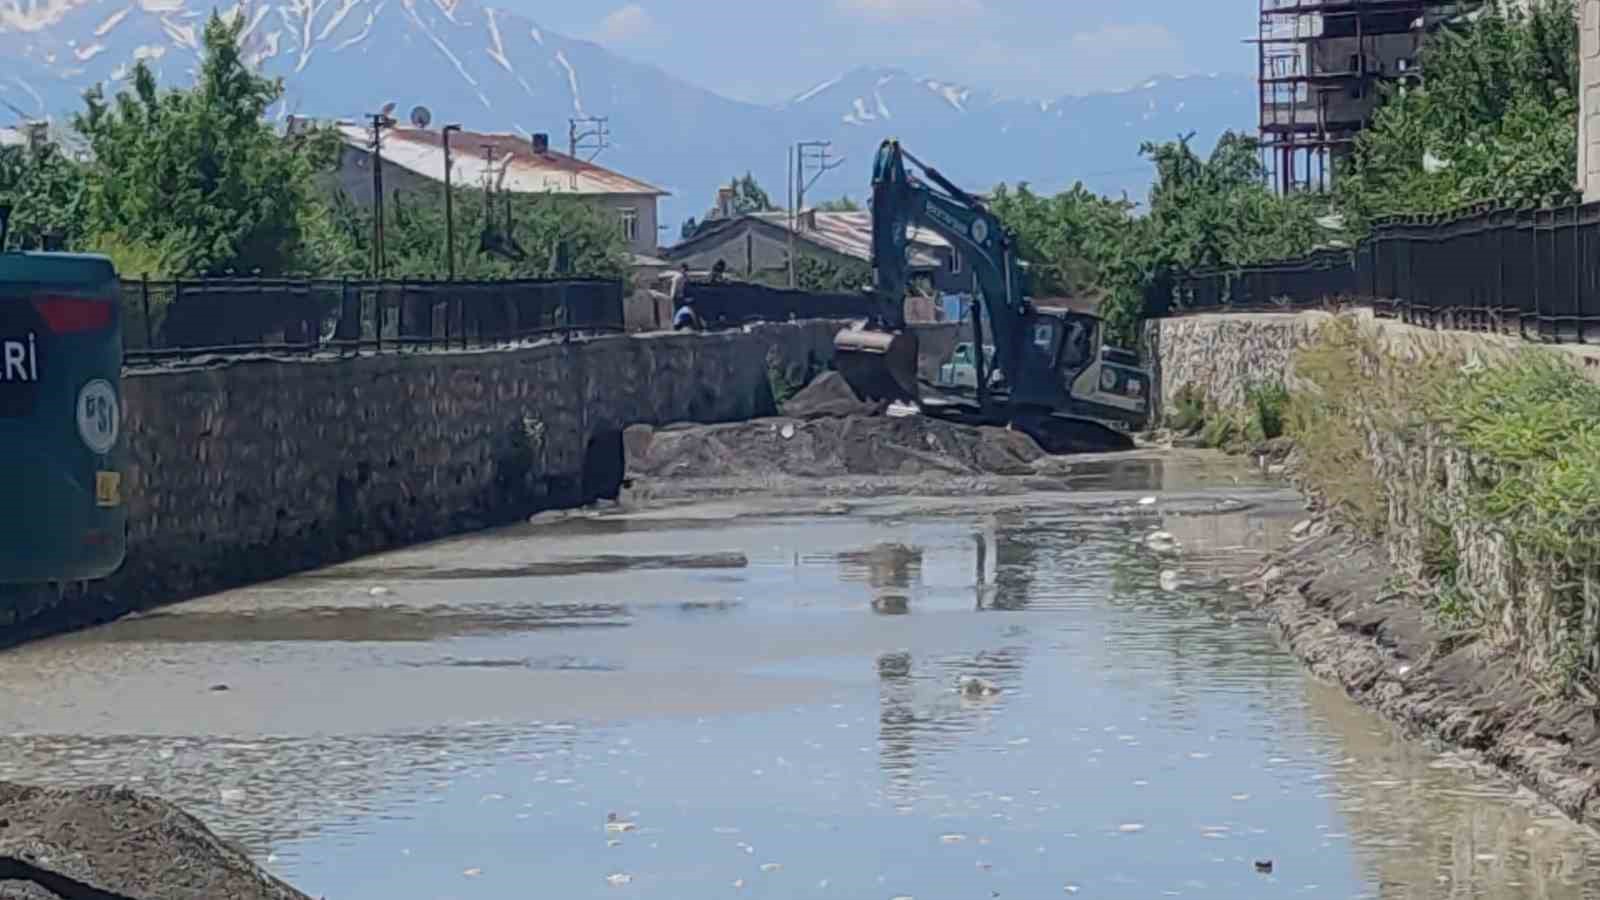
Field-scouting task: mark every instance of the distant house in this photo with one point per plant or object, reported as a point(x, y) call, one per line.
point(414, 158)
point(756, 246)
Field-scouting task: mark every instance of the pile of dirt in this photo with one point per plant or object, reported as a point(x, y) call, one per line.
point(828, 447)
point(112, 842)
point(829, 396)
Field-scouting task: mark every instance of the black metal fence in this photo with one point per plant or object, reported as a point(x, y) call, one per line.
point(176, 319)
point(738, 303)
point(1534, 272)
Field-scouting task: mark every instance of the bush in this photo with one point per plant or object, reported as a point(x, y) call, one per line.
point(1188, 410)
point(1265, 406)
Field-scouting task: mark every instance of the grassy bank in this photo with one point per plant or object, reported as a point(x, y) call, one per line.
point(1479, 473)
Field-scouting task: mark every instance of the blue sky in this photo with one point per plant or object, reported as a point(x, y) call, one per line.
point(769, 50)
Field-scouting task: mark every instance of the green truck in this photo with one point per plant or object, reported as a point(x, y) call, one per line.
point(62, 450)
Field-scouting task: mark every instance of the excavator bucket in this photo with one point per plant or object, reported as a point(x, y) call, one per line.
point(878, 365)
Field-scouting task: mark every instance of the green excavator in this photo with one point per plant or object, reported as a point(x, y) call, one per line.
point(1060, 384)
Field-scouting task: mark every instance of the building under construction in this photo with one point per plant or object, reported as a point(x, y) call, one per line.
point(1321, 65)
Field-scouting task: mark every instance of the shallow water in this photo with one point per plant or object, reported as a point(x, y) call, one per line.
point(764, 695)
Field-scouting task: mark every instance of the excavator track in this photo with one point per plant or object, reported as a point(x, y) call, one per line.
point(1061, 435)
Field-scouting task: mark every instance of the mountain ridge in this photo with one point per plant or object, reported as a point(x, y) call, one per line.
point(493, 70)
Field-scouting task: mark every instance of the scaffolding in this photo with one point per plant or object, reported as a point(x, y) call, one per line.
point(1321, 63)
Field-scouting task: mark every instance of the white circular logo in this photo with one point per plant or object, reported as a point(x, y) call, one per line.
point(980, 230)
point(99, 416)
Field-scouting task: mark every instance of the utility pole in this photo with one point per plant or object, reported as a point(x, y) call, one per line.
point(816, 159)
point(380, 121)
point(805, 157)
point(789, 201)
point(449, 208)
point(591, 134)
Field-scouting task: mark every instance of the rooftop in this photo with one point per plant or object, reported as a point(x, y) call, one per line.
point(516, 166)
point(850, 233)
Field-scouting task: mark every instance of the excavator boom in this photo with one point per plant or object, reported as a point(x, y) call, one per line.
point(1053, 362)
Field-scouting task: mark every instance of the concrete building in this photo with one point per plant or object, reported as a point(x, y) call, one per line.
point(413, 158)
point(1321, 66)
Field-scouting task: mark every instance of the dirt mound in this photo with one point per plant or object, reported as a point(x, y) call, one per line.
point(822, 448)
point(829, 396)
point(115, 842)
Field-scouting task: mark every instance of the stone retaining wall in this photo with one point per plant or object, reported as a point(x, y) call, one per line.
point(248, 469)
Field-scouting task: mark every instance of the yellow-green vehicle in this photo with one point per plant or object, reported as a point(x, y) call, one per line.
point(62, 516)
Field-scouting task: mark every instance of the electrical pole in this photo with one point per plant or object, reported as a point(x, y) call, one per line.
point(380, 121)
point(588, 133)
point(449, 208)
point(789, 200)
point(816, 158)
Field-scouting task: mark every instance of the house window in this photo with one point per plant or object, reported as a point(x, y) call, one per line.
point(630, 225)
point(955, 262)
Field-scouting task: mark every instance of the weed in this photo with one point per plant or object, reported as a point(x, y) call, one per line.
point(1188, 413)
point(1265, 407)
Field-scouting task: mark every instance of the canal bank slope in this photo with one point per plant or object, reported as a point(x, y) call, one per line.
point(1445, 578)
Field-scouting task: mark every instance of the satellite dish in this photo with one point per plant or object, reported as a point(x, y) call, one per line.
point(387, 108)
point(420, 117)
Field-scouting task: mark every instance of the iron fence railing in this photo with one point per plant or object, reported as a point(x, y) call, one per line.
point(1533, 272)
point(738, 303)
point(180, 319)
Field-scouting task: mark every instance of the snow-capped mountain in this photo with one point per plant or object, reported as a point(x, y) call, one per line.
point(491, 70)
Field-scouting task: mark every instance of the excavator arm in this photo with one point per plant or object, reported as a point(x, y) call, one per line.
point(1052, 361)
point(901, 202)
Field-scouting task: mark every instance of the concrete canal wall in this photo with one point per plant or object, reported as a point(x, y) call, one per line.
point(249, 469)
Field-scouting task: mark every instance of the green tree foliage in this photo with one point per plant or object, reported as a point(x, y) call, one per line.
point(1219, 211)
point(1214, 211)
point(557, 235)
point(750, 197)
point(198, 179)
point(45, 190)
point(690, 226)
point(1494, 118)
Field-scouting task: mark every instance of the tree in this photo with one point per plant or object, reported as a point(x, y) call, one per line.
point(558, 236)
point(749, 197)
point(197, 178)
point(1493, 119)
point(842, 204)
point(45, 190)
point(690, 226)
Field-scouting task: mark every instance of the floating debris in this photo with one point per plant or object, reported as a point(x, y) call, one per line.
point(1264, 865)
point(379, 592)
point(613, 843)
point(618, 879)
point(771, 867)
point(472, 873)
point(1071, 888)
point(952, 838)
point(1162, 542)
point(1240, 797)
point(973, 686)
point(1147, 501)
point(738, 882)
point(231, 795)
point(1170, 581)
point(1130, 827)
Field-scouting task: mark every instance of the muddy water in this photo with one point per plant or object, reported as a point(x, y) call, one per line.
point(763, 695)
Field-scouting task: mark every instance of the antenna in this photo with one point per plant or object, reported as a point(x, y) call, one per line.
point(591, 134)
point(420, 117)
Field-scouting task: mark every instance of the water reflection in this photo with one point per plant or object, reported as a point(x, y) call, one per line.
point(891, 571)
point(1425, 828)
point(1142, 738)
